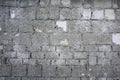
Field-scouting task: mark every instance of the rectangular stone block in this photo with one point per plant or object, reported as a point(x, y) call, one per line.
point(48, 71)
point(55, 2)
point(91, 48)
point(58, 62)
point(19, 70)
point(116, 48)
point(63, 71)
point(80, 55)
point(34, 70)
point(76, 3)
point(76, 26)
point(36, 55)
point(43, 61)
point(22, 39)
point(44, 3)
point(34, 78)
point(73, 62)
point(23, 55)
point(110, 14)
point(51, 55)
point(98, 14)
point(105, 48)
point(86, 14)
point(117, 14)
point(5, 70)
point(48, 48)
point(73, 78)
point(12, 78)
point(42, 13)
point(39, 39)
point(76, 48)
point(66, 3)
point(97, 38)
point(10, 54)
point(78, 71)
point(57, 78)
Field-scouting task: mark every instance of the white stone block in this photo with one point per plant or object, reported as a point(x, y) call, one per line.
point(86, 14)
point(98, 14)
point(116, 38)
point(109, 14)
point(62, 24)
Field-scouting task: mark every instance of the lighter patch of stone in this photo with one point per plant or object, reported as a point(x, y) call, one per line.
point(116, 38)
point(64, 42)
point(38, 30)
point(17, 34)
point(0, 29)
point(109, 14)
point(62, 24)
point(13, 14)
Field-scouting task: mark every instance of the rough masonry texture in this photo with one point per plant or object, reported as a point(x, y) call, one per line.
point(59, 39)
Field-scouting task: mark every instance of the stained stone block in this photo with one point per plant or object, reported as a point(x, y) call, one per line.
point(5, 70)
point(49, 71)
point(19, 70)
point(63, 71)
point(117, 14)
point(87, 3)
point(102, 3)
point(34, 70)
point(76, 3)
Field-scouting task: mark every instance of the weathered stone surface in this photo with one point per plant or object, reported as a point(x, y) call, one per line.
point(63, 71)
point(19, 70)
point(5, 70)
point(34, 70)
point(86, 14)
point(98, 14)
point(109, 14)
point(49, 71)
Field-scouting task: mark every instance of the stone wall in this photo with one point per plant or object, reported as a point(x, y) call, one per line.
point(59, 39)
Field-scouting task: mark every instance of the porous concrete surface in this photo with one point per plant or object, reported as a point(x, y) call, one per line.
point(59, 39)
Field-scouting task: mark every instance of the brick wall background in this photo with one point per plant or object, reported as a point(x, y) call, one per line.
point(59, 39)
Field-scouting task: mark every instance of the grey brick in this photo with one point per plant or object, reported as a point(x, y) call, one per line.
point(117, 14)
point(23, 39)
point(14, 61)
point(42, 13)
point(102, 4)
point(54, 12)
point(116, 48)
point(55, 2)
point(57, 78)
point(43, 61)
point(37, 55)
point(76, 3)
point(29, 61)
point(77, 26)
point(58, 62)
point(23, 55)
point(73, 78)
point(78, 71)
point(73, 62)
point(80, 55)
point(66, 3)
point(51, 55)
point(76, 48)
point(44, 3)
point(91, 48)
point(39, 39)
point(34, 70)
point(87, 3)
point(19, 48)
point(48, 48)
point(105, 48)
point(5, 70)
point(49, 71)
point(2, 78)
point(12, 78)
point(63, 71)
point(10, 54)
point(34, 78)
point(19, 70)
